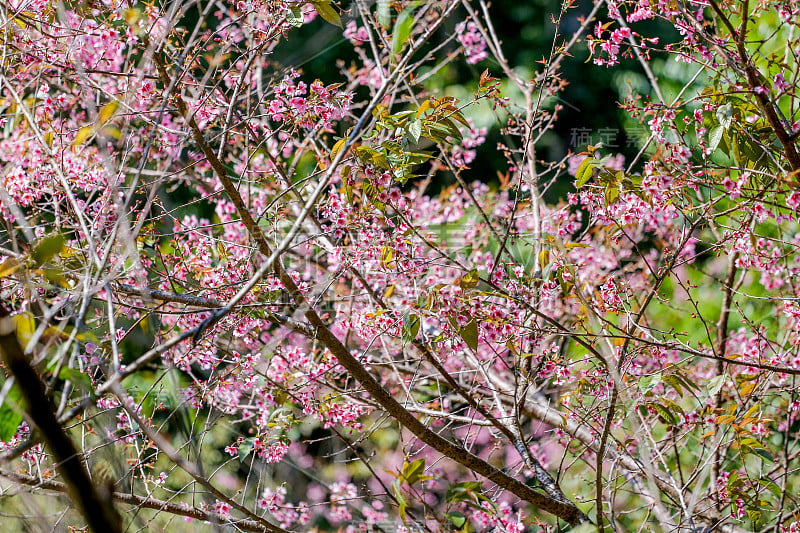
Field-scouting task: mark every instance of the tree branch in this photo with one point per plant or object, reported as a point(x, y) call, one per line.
point(145, 503)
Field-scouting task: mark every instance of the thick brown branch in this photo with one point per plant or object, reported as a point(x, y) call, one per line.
point(144, 503)
point(98, 512)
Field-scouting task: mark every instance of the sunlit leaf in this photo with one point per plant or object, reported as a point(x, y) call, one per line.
point(337, 147)
point(389, 291)
point(328, 13)
point(131, 16)
point(715, 385)
point(725, 115)
point(295, 16)
point(83, 134)
point(412, 471)
point(414, 130)
point(715, 137)
point(9, 266)
point(411, 325)
point(384, 13)
point(469, 280)
point(470, 334)
point(372, 156)
point(107, 112)
point(424, 106)
point(387, 257)
point(746, 388)
point(25, 326)
point(584, 173)
point(47, 248)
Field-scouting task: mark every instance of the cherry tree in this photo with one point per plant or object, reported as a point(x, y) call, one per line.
point(241, 296)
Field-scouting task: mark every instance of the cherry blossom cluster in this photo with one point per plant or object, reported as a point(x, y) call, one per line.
point(470, 37)
point(311, 107)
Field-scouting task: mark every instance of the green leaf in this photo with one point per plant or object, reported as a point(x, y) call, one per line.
point(411, 325)
point(337, 147)
point(416, 158)
point(370, 190)
point(9, 266)
point(460, 117)
point(687, 383)
point(440, 131)
point(402, 30)
point(715, 385)
point(584, 528)
point(10, 413)
point(394, 148)
point(715, 137)
point(387, 257)
point(457, 519)
point(673, 406)
point(56, 275)
point(666, 414)
point(370, 155)
point(742, 378)
point(750, 446)
point(584, 173)
point(737, 156)
point(469, 280)
point(412, 472)
point(77, 377)
point(725, 115)
point(463, 491)
point(245, 447)
point(402, 504)
point(414, 129)
point(47, 248)
point(470, 334)
point(106, 113)
point(451, 128)
point(295, 17)
point(733, 481)
point(384, 13)
point(327, 12)
point(648, 383)
point(770, 486)
point(611, 194)
point(673, 382)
